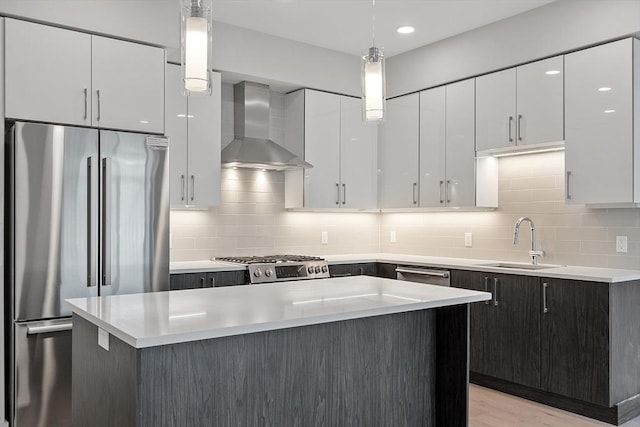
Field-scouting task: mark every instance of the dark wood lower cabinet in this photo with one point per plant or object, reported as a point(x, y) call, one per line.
point(359, 269)
point(505, 332)
point(575, 348)
point(567, 343)
point(206, 280)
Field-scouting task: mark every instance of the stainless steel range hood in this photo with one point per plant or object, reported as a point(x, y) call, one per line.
point(252, 147)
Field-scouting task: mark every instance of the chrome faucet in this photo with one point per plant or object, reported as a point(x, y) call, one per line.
point(533, 253)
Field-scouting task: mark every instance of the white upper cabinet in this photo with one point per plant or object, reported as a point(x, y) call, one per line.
point(193, 125)
point(61, 76)
point(399, 153)
point(47, 73)
point(447, 150)
point(496, 110)
point(329, 131)
point(602, 117)
point(128, 85)
point(322, 149)
point(432, 147)
point(460, 188)
point(520, 106)
point(540, 105)
point(358, 157)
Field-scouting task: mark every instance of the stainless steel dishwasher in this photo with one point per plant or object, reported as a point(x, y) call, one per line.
point(428, 276)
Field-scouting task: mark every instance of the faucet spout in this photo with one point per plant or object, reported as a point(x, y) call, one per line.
point(533, 253)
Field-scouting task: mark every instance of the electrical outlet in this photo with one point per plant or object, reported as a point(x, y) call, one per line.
point(393, 237)
point(325, 238)
point(621, 244)
point(468, 240)
point(170, 240)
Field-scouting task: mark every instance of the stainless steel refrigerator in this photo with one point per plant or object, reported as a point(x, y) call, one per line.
point(88, 215)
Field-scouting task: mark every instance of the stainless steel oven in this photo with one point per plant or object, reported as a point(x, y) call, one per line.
point(429, 276)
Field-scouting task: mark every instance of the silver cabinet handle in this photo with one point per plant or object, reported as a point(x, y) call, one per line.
point(486, 288)
point(423, 272)
point(193, 187)
point(213, 282)
point(344, 193)
point(182, 187)
point(567, 185)
point(337, 193)
point(519, 127)
point(85, 104)
point(495, 291)
point(544, 297)
point(441, 198)
point(415, 198)
point(202, 282)
point(47, 329)
point(91, 252)
point(106, 221)
point(510, 123)
point(447, 191)
point(98, 94)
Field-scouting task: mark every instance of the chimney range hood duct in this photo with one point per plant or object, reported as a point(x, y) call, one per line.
point(251, 147)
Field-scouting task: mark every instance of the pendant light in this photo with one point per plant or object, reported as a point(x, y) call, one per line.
point(196, 46)
point(373, 80)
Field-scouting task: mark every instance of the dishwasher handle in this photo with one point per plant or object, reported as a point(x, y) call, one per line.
point(434, 273)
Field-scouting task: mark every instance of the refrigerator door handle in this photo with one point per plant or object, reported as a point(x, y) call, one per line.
point(91, 248)
point(47, 329)
point(106, 221)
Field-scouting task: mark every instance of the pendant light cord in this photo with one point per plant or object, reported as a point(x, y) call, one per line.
point(373, 26)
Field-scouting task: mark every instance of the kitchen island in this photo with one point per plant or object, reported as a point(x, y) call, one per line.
point(343, 351)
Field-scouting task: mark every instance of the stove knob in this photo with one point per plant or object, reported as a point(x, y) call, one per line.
point(317, 269)
point(310, 270)
point(257, 272)
point(268, 272)
point(325, 269)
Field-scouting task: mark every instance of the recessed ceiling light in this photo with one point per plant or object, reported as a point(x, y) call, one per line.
point(609, 111)
point(406, 29)
point(552, 72)
point(604, 89)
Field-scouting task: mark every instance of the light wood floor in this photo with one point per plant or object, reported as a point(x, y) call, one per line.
point(490, 408)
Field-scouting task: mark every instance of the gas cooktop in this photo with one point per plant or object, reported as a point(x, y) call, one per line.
point(279, 268)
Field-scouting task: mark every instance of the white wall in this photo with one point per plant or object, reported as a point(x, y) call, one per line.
point(555, 28)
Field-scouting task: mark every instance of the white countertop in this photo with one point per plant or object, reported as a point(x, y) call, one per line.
point(593, 274)
point(160, 318)
point(203, 266)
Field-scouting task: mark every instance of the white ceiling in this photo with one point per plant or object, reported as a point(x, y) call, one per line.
point(346, 25)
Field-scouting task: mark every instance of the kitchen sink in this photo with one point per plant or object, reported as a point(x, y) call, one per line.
point(521, 266)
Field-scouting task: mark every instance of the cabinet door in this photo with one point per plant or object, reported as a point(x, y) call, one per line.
point(187, 281)
point(599, 151)
point(226, 278)
point(360, 269)
point(204, 135)
point(540, 89)
point(496, 110)
point(460, 182)
point(432, 147)
point(47, 73)
point(128, 85)
point(517, 308)
point(322, 150)
point(358, 157)
point(575, 344)
point(176, 130)
point(399, 154)
point(482, 322)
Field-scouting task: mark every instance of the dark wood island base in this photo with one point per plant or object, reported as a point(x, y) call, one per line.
point(402, 369)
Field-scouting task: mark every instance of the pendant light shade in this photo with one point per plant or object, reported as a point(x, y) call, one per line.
point(196, 46)
point(373, 85)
